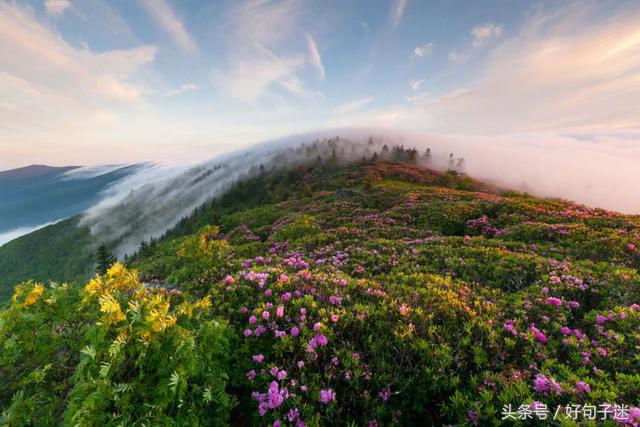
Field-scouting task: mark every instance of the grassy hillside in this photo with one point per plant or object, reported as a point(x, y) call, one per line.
point(59, 252)
point(373, 294)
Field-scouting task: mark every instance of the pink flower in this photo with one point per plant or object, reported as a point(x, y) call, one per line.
point(385, 394)
point(600, 319)
point(251, 375)
point(538, 335)
point(282, 375)
point(583, 387)
point(509, 326)
point(268, 293)
point(265, 315)
point(327, 396)
point(334, 318)
point(404, 309)
point(317, 327)
point(247, 332)
point(258, 358)
point(631, 247)
point(542, 384)
point(554, 301)
point(252, 320)
point(285, 296)
point(295, 331)
point(565, 331)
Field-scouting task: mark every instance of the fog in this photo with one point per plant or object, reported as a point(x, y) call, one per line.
point(597, 171)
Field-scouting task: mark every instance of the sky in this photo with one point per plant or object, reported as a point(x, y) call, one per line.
point(88, 82)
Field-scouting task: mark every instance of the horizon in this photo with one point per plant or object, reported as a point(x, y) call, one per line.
point(167, 81)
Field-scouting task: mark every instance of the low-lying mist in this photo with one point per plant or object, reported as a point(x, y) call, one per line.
point(599, 172)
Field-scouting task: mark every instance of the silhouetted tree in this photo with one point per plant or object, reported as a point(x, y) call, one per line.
point(451, 163)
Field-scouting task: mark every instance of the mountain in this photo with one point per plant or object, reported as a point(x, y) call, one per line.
point(36, 195)
point(369, 292)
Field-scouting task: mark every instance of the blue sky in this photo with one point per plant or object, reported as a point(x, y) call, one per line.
point(96, 81)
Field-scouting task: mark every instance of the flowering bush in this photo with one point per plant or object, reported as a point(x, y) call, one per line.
point(411, 301)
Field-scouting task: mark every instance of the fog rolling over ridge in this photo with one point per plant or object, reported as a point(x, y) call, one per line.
point(140, 210)
point(149, 203)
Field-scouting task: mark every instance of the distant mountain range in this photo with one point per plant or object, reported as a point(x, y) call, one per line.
point(37, 195)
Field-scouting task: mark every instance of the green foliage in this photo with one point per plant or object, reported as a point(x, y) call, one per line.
point(51, 253)
point(335, 295)
point(104, 259)
point(115, 353)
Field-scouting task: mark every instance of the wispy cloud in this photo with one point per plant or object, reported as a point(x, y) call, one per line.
point(480, 35)
point(56, 7)
point(167, 19)
point(570, 70)
point(397, 12)
point(188, 87)
point(249, 78)
point(353, 106)
point(315, 58)
point(423, 50)
point(261, 62)
point(485, 32)
point(80, 91)
point(416, 85)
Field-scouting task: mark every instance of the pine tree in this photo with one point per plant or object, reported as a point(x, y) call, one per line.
point(451, 163)
point(427, 155)
point(105, 259)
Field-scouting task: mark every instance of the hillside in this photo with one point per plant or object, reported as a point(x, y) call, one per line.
point(375, 293)
point(60, 252)
point(38, 194)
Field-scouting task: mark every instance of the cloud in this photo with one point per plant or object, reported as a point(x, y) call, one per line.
point(572, 70)
point(261, 23)
point(480, 35)
point(423, 50)
point(456, 56)
point(56, 7)
point(483, 33)
point(315, 58)
point(262, 62)
point(249, 78)
point(167, 19)
point(397, 11)
point(188, 87)
point(416, 84)
point(353, 106)
point(54, 93)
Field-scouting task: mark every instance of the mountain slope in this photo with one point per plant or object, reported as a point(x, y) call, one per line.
point(374, 293)
point(38, 194)
point(60, 252)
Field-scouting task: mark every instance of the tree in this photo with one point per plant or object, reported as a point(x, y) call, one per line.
point(427, 155)
point(105, 259)
point(451, 163)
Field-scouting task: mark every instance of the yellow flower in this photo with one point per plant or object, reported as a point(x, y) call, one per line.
point(204, 303)
point(112, 308)
point(34, 295)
